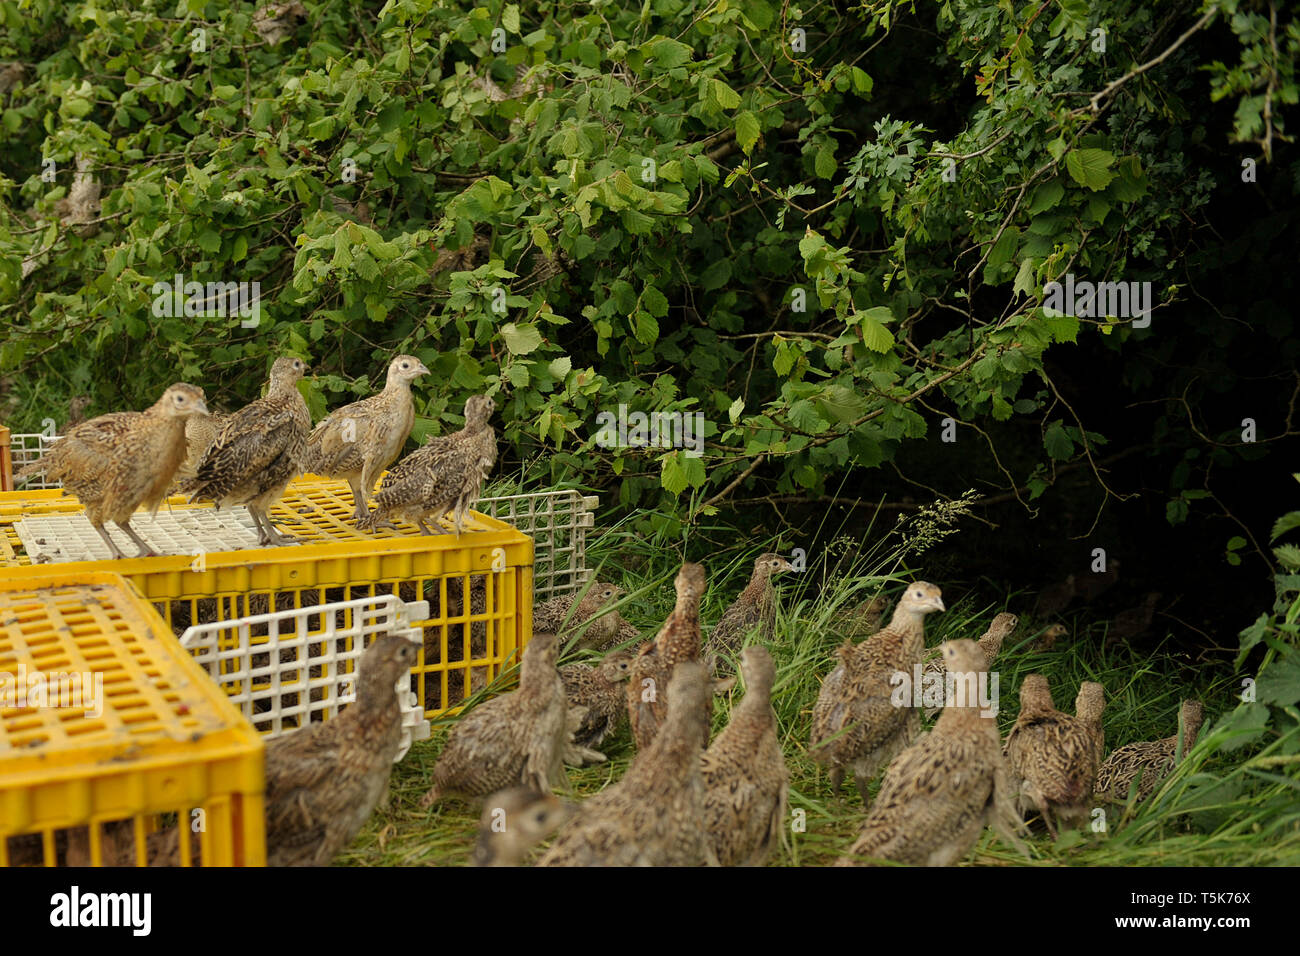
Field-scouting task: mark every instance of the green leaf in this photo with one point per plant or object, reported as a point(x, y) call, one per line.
point(724, 96)
point(1046, 196)
point(747, 130)
point(733, 413)
point(1057, 442)
point(824, 165)
point(874, 335)
point(671, 474)
point(209, 240)
point(716, 275)
point(655, 302)
point(1284, 524)
point(1005, 247)
point(510, 18)
point(522, 338)
point(1090, 167)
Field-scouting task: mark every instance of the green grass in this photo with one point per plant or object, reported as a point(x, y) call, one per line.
point(1222, 806)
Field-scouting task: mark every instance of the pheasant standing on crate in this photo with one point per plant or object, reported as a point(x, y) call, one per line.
point(358, 441)
point(324, 781)
point(117, 462)
point(446, 475)
point(257, 452)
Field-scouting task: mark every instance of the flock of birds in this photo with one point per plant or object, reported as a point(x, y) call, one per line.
point(685, 799)
point(117, 463)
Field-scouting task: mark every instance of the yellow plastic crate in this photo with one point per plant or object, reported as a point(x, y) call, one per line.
point(479, 586)
point(115, 767)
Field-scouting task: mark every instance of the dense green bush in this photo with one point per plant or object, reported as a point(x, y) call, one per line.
point(823, 230)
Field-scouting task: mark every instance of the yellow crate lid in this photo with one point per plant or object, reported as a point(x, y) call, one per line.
point(147, 703)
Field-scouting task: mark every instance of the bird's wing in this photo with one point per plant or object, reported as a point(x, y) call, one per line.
point(250, 442)
point(299, 768)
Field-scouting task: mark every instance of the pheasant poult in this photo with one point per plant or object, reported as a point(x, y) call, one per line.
point(446, 475)
point(678, 640)
point(200, 430)
point(854, 722)
point(513, 822)
point(1151, 760)
point(861, 620)
point(654, 815)
point(990, 643)
point(565, 615)
point(118, 462)
point(358, 441)
point(600, 691)
point(940, 793)
point(323, 781)
point(517, 739)
point(1052, 757)
point(257, 452)
point(746, 782)
point(755, 606)
point(1134, 622)
point(1088, 707)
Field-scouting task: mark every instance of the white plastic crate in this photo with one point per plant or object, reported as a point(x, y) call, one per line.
point(27, 447)
point(55, 538)
point(287, 668)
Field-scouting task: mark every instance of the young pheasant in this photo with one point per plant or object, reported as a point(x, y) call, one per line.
point(200, 430)
point(1055, 598)
point(1134, 622)
point(512, 823)
point(1088, 707)
point(323, 781)
point(565, 615)
point(654, 816)
point(446, 475)
point(860, 620)
point(258, 451)
point(1152, 760)
point(940, 793)
point(746, 783)
point(517, 739)
point(600, 691)
point(678, 640)
point(755, 606)
point(358, 441)
point(1047, 640)
point(1052, 756)
point(854, 722)
point(119, 462)
point(990, 643)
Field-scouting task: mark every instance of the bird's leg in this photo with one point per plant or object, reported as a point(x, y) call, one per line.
point(837, 779)
point(431, 796)
point(862, 783)
point(268, 536)
point(360, 511)
point(145, 550)
point(112, 547)
point(1041, 803)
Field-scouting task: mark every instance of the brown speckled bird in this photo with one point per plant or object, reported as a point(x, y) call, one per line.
point(513, 822)
point(654, 815)
point(1094, 584)
point(860, 620)
point(755, 606)
point(599, 690)
point(1152, 760)
point(990, 643)
point(1088, 707)
point(940, 793)
point(324, 781)
point(358, 441)
point(854, 722)
point(200, 430)
point(678, 640)
point(1134, 622)
point(516, 739)
point(566, 614)
point(1047, 640)
point(119, 462)
point(445, 475)
point(1055, 598)
point(1052, 756)
point(746, 782)
point(258, 451)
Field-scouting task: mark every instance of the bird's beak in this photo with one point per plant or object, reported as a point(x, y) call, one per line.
point(939, 604)
point(422, 370)
point(202, 406)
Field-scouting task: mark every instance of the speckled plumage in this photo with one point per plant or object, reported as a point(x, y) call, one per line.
point(746, 782)
point(678, 640)
point(654, 815)
point(358, 441)
point(445, 475)
point(516, 739)
point(513, 822)
point(862, 619)
point(854, 722)
point(566, 614)
point(755, 606)
point(940, 793)
point(324, 780)
point(600, 690)
point(1051, 755)
point(258, 451)
point(1089, 705)
point(119, 462)
point(200, 430)
point(990, 643)
point(1152, 759)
